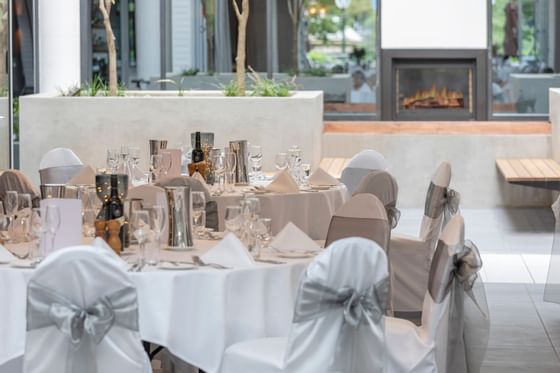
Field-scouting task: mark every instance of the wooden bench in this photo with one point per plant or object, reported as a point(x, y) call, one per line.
point(538, 173)
point(334, 166)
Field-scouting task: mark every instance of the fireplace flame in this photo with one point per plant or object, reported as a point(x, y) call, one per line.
point(435, 98)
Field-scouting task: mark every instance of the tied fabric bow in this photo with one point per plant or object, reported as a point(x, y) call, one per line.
point(84, 327)
point(441, 199)
point(358, 309)
point(393, 215)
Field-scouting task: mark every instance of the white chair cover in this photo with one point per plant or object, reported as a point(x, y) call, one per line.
point(362, 216)
point(17, 181)
point(384, 186)
point(410, 257)
point(151, 196)
point(82, 316)
point(338, 318)
point(359, 166)
point(453, 336)
point(58, 166)
point(552, 287)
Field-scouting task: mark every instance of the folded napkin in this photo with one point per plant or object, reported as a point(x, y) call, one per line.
point(100, 244)
point(229, 252)
point(291, 238)
point(283, 182)
point(85, 177)
point(322, 178)
point(5, 255)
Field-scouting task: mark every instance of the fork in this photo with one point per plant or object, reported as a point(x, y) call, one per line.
point(199, 262)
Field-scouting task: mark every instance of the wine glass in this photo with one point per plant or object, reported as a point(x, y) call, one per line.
point(219, 165)
point(261, 230)
point(198, 206)
point(52, 221)
point(255, 155)
point(231, 164)
point(156, 164)
point(281, 161)
point(159, 222)
point(11, 205)
point(3, 225)
point(37, 232)
point(24, 213)
point(141, 228)
point(233, 219)
point(166, 163)
point(112, 160)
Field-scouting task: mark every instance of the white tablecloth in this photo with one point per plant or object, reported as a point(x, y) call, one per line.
point(311, 211)
point(197, 314)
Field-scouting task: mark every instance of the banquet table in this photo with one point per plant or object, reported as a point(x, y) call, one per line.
point(195, 313)
point(310, 210)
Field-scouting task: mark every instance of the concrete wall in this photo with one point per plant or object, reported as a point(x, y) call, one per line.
point(554, 95)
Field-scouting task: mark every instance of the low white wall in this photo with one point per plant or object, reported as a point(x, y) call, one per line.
point(91, 125)
point(554, 95)
point(414, 158)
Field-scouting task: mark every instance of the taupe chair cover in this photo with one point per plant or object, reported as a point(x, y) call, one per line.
point(362, 216)
point(410, 257)
point(58, 166)
point(212, 220)
point(15, 180)
point(359, 166)
point(384, 186)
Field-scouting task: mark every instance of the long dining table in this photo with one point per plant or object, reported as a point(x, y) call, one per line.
point(196, 313)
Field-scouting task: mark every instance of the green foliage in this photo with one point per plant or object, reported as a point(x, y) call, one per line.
point(527, 28)
point(321, 27)
point(319, 58)
point(269, 87)
point(95, 88)
point(231, 89)
point(190, 72)
point(320, 71)
point(178, 85)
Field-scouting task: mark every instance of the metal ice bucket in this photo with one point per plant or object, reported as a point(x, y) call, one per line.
point(180, 217)
point(240, 149)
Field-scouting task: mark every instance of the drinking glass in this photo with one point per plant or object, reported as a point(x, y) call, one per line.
point(38, 228)
point(23, 215)
point(306, 167)
point(156, 165)
point(166, 163)
point(281, 161)
point(231, 164)
point(159, 222)
point(261, 230)
point(3, 223)
point(200, 225)
point(233, 219)
point(11, 205)
point(219, 165)
point(112, 160)
point(52, 221)
point(198, 206)
point(255, 156)
point(141, 228)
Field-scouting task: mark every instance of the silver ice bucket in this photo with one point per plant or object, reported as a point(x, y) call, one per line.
point(240, 149)
point(180, 217)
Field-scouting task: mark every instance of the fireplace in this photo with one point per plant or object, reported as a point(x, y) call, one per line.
point(433, 85)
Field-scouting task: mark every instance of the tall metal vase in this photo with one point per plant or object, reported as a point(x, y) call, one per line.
point(180, 217)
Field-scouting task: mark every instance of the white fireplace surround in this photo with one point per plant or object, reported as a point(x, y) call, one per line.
point(434, 24)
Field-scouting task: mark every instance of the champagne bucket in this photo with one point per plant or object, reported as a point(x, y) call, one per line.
point(53, 191)
point(180, 217)
point(241, 169)
point(157, 145)
point(206, 138)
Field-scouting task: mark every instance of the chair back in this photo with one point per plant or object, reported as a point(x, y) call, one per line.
point(82, 315)
point(15, 180)
point(359, 166)
point(58, 166)
point(151, 196)
point(362, 216)
point(338, 318)
point(212, 220)
point(384, 186)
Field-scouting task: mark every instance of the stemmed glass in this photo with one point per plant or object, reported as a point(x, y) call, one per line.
point(166, 163)
point(112, 160)
point(3, 225)
point(218, 163)
point(233, 219)
point(141, 227)
point(11, 209)
point(52, 221)
point(156, 165)
point(158, 224)
point(281, 161)
point(24, 213)
point(231, 164)
point(255, 155)
point(199, 209)
point(38, 228)
point(261, 229)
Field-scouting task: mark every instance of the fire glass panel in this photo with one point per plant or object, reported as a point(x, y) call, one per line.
point(433, 88)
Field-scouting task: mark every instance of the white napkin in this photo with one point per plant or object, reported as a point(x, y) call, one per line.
point(229, 252)
point(291, 238)
point(5, 255)
point(283, 182)
point(85, 177)
point(322, 178)
point(100, 244)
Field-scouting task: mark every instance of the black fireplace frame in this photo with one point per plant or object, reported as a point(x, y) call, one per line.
point(480, 59)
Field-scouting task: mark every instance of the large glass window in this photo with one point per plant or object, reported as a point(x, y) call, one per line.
point(524, 55)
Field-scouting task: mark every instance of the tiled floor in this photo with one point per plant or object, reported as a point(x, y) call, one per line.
point(515, 245)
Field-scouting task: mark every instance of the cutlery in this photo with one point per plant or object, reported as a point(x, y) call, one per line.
point(133, 267)
point(270, 261)
point(199, 262)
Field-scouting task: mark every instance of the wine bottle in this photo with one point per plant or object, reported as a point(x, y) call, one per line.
point(116, 212)
point(197, 153)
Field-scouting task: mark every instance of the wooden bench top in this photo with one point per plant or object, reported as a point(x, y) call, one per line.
point(334, 166)
point(529, 170)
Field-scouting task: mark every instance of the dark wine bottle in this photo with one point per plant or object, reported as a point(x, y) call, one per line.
point(115, 211)
point(197, 153)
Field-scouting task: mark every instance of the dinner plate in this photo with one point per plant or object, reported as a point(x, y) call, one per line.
point(176, 266)
point(295, 254)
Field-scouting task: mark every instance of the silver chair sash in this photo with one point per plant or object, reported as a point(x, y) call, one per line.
point(455, 273)
point(358, 309)
point(441, 200)
point(59, 175)
point(84, 327)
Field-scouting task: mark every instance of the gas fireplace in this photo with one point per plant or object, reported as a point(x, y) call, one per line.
point(433, 85)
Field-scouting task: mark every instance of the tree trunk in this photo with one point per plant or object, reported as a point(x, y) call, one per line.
point(295, 49)
point(105, 8)
point(242, 17)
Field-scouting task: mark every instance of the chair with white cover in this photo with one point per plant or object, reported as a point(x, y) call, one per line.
point(409, 256)
point(360, 165)
point(58, 166)
point(453, 335)
point(82, 315)
point(15, 180)
point(338, 318)
point(151, 196)
point(384, 186)
point(212, 220)
point(362, 216)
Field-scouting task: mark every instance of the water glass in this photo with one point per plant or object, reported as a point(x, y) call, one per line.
point(166, 163)
point(233, 219)
point(3, 223)
point(281, 161)
point(231, 164)
point(112, 160)
point(11, 206)
point(159, 222)
point(156, 166)
point(256, 156)
point(261, 229)
point(141, 228)
point(38, 228)
point(52, 222)
point(23, 216)
point(199, 223)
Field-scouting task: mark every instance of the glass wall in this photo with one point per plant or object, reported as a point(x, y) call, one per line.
point(4, 87)
point(524, 55)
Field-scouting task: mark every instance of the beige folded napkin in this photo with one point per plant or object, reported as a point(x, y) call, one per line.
point(283, 182)
point(5, 255)
point(85, 177)
point(100, 244)
point(229, 252)
point(291, 238)
point(322, 178)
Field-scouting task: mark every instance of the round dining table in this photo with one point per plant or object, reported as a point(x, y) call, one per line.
point(196, 313)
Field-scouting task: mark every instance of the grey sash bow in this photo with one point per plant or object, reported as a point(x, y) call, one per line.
point(84, 327)
point(367, 307)
point(441, 199)
point(393, 216)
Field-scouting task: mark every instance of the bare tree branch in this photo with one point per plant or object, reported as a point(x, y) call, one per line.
point(236, 8)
